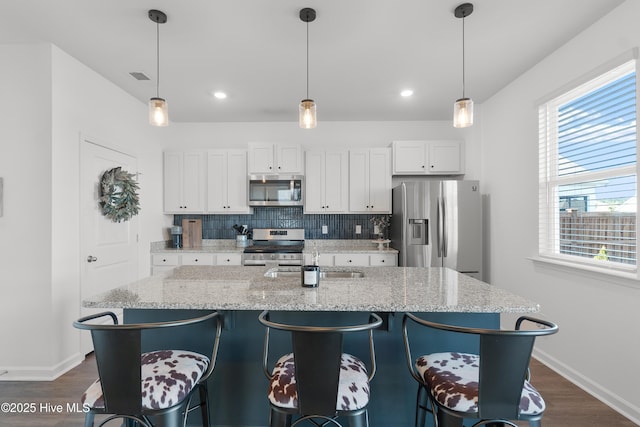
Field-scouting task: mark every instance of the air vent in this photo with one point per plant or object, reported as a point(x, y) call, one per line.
point(139, 76)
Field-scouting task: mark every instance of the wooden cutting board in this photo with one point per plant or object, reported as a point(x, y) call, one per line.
point(191, 233)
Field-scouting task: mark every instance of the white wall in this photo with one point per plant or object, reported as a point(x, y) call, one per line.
point(598, 344)
point(25, 227)
point(50, 100)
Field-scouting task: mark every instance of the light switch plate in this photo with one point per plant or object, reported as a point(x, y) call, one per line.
point(325, 229)
point(358, 229)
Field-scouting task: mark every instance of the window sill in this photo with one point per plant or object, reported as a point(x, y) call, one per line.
point(616, 276)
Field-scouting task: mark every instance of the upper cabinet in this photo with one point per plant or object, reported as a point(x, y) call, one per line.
point(227, 181)
point(370, 180)
point(275, 158)
point(326, 182)
point(184, 181)
point(438, 157)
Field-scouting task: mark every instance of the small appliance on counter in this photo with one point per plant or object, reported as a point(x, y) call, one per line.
point(176, 237)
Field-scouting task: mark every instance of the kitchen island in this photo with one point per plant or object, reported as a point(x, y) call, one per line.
point(238, 386)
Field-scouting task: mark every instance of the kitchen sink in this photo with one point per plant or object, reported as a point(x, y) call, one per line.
point(324, 274)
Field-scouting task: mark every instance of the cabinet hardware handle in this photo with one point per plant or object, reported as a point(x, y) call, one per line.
point(91, 258)
point(382, 260)
point(196, 260)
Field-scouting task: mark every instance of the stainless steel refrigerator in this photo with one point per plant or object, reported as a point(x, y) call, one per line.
point(438, 224)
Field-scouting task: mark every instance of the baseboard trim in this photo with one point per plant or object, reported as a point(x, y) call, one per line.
point(38, 373)
point(606, 396)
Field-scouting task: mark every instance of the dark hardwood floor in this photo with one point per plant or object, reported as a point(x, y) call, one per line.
point(567, 405)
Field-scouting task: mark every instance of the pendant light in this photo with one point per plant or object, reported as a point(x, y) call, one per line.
point(463, 107)
point(307, 110)
point(158, 108)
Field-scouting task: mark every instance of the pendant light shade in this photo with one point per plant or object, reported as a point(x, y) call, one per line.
point(307, 109)
point(158, 108)
point(463, 107)
point(158, 112)
point(463, 113)
point(308, 114)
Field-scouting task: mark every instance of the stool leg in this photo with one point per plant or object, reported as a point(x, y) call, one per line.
point(421, 406)
point(359, 420)
point(204, 402)
point(88, 419)
point(279, 419)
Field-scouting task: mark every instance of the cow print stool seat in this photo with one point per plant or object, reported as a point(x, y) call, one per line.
point(318, 382)
point(490, 385)
point(161, 384)
point(452, 379)
point(353, 384)
point(168, 376)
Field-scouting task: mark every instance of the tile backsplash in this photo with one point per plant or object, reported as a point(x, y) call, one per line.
point(340, 226)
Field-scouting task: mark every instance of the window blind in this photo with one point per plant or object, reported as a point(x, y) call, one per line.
point(587, 171)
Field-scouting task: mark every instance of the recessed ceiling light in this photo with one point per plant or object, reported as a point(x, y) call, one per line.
point(220, 95)
point(407, 92)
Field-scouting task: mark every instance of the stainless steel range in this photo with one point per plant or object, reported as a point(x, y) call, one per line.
point(275, 246)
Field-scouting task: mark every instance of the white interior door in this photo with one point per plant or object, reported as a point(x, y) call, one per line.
point(108, 249)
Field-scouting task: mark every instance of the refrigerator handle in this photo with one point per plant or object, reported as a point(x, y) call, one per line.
point(445, 237)
point(405, 225)
point(439, 227)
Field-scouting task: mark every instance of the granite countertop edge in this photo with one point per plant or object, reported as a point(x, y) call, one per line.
point(384, 289)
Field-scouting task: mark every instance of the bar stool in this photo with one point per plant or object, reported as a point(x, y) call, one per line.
point(491, 385)
point(135, 386)
point(318, 381)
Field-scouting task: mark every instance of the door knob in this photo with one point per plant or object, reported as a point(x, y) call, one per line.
point(91, 258)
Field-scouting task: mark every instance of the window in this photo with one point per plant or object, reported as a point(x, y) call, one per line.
point(587, 172)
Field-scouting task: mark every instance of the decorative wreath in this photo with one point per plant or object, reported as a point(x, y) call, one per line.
point(118, 195)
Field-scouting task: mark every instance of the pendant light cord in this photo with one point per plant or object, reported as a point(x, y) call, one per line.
point(307, 59)
point(463, 71)
point(157, 60)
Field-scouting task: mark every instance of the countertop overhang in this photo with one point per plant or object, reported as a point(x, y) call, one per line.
point(384, 289)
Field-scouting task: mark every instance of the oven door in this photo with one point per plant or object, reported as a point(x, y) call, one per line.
point(275, 190)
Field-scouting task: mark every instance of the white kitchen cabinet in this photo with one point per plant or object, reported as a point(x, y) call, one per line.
point(351, 260)
point(275, 158)
point(164, 262)
point(326, 260)
point(228, 259)
point(184, 181)
point(383, 260)
point(196, 259)
point(437, 157)
point(227, 182)
point(370, 180)
point(326, 182)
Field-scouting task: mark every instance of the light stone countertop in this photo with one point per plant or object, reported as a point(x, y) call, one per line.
point(385, 289)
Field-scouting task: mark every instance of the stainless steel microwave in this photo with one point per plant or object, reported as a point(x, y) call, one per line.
point(275, 190)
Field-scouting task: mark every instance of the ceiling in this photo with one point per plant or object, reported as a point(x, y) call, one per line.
point(362, 53)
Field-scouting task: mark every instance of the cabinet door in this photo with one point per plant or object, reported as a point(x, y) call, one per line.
point(237, 182)
point(197, 259)
point(383, 260)
point(217, 181)
point(446, 157)
point(288, 159)
point(261, 157)
point(359, 181)
point(336, 179)
point(409, 158)
point(184, 176)
point(351, 260)
point(228, 259)
point(172, 181)
point(193, 184)
point(314, 182)
point(380, 180)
